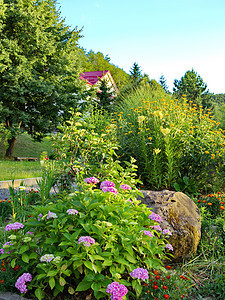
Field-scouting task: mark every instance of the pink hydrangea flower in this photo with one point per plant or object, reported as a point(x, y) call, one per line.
point(72, 211)
point(47, 258)
point(146, 232)
point(51, 215)
point(86, 240)
point(13, 226)
point(107, 183)
point(20, 283)
point(156, 227)
point(116, 290)
point(169, 246)
point(155, 217)
point(91, 180)
point(167, 232)
point(110, 189)
point(125, 187)
point(139, 273)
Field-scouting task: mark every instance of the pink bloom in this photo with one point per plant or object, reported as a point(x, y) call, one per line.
point(139, 273)
point(13, 226)
point(110, 189)
point(91, 180)
point(107, 183)
point(20, 283)
point(125, 187)
point(116, 290)
point(86, 240)
point(156, 227)
point(169, 246)
point(72, 211)
point(166, 231)
point(155, 217)
point(146, 232)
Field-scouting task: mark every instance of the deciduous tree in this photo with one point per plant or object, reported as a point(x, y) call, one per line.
point(39, 70)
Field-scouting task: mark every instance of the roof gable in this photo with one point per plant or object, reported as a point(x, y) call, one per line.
point(93, 77)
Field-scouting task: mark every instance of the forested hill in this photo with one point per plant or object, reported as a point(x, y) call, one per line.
point(219, 98)
point(91, 61)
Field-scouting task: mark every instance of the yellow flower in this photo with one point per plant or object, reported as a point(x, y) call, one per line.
point(141, 119)
point(150, 138)
point(158, 113)
point(165, 131)
point(157, 151)
point(207, 152)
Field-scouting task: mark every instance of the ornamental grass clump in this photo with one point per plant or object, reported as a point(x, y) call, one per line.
point(90, 240)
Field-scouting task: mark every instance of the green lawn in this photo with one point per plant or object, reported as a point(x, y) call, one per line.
point(24, 147)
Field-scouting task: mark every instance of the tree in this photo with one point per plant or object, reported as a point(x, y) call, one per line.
point(105, 97)
point(135, 74)
point(39, 70)
point(192, 85)
point(162, 81)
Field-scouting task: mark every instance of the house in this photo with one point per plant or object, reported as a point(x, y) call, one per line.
point(94, 79)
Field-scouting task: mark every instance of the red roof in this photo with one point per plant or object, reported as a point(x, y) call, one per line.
point(93, 77)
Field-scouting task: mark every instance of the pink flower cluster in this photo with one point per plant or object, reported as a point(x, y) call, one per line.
point(155, 217)
point(146, 232)
point(139, 273)
point(86, 240)
point(47, 258)
point(125, 187)
point(20, 283)
point(116, 290)
point(2, 249)
point(167, 232)
point(72, 211)
point(13, 226)
point(51, 215)
point(169, 246)
point(108, 186)
point(91, 180)
point(156, 227)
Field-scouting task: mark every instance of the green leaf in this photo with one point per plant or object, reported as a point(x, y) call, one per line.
point(51, 282)
point(39, 293)
point(122, 261)
point(52, 273)
point(40, 276)
point(88, 264)
point(71, 290)
point(23, 249)
point(62, 281)
point(33, 255)
point(13, 263)
point(25, 258)
point(83, 285)
point(107, 262)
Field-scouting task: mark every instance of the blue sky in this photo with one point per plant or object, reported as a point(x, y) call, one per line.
point(166, 37)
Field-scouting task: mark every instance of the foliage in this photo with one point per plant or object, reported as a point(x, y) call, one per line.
point(162, 81)
point(219, 114)
point(170, 140)
point(119, 245)
point(192, 86)
point(135, 74)
point(92, 61)
point(167, 285)
point(219, 98)
point(105, 97)
point(39, 67)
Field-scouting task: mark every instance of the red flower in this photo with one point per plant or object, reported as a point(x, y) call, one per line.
point(2, 281)
point(3, 269)
point(147, 291)
point(157, 277)
point(155, 282)
point(166, 296)
point(168, 277)
point(16, 268)
point(164, 287)
point(155, 272)
point(222, 207)
point(155, 287)
point(168, 267)
point(222, 202)
point(145, 284)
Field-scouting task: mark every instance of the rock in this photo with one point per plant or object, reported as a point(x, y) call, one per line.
point(181, 216)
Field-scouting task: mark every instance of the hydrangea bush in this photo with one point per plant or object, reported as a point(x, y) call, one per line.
point(91, 239)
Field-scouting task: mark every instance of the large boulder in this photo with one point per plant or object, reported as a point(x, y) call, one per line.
point(181, 216)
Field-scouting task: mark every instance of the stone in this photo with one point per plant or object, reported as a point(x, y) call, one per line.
point(181, 216)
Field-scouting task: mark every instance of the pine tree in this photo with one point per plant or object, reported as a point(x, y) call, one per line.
point(162, 81)
point(135, 74)
point(105, 97)
point(39, 71)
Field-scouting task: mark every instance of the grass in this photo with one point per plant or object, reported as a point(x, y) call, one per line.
point(24, 147)
point(10, 170)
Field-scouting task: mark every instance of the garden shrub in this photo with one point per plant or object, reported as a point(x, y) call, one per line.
point(85, 240)
point(170, 139)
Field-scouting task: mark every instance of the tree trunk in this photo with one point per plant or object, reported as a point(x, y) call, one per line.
point(9, 150)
